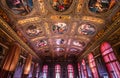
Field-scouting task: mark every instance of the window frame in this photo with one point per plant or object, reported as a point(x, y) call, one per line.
point(110, 60)
point(92, 65)
point(70, 71)
point(45, 71)
point(58, 70)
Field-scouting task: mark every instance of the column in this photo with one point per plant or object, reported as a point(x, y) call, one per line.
point(35, 70)
point(27, 66)
point(10, 61)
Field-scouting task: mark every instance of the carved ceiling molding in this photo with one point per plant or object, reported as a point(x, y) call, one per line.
point(28, 20)
point(114, 38)
point(13, 34)
point(93, 19)
point(116, 16)
point(5, 39)
point(63, 17)
point(4, 15)
point(114, 27)
point(60, 17)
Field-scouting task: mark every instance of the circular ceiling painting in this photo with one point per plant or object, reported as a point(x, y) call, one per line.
point(21, 7)
point(60, 41)
point(58, 49)
point(41, 43)
point(78, 43)
point(33, 31)
point(61, 5)
point(99, 6)
point(74, 50)
point(59, 28)
point(86, 29)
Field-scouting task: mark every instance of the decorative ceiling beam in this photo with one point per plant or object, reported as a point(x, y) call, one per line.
point(12, 33)
point(114, 27)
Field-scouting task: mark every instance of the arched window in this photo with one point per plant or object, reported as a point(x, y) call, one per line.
point(92, 65)
point(57, 71)
point(110, 60)
point(70, 71)
point(45, 71)
point(84, 69)
point(79, 70)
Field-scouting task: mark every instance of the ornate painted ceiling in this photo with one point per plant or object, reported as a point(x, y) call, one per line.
point(53, 28)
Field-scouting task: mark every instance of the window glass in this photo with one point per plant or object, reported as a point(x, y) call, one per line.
point(84, 69)
point(110, 60)
point(70, 71)
point(101, 67)
point(79, 70)
point(57, 71)
point(45, 71)
point(93, 65)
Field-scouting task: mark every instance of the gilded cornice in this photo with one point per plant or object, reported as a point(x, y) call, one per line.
point(12, 33)
point(114, 27)
point(4, 15)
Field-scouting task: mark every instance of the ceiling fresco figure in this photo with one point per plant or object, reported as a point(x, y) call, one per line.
point(61, 5)
point(60, 41)
point(21, 7)
point(99, 6)
point(86, 29)
point(41, 43)
point(74, 50)
point(59, 49)
point(33, 31)
point(79, 43)
point(59, 28)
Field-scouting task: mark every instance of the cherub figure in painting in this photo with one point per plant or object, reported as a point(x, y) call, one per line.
point(20, 6)
point(61, 5)
point(100, 6)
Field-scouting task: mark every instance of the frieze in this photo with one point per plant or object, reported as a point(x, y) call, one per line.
point(62, 17)
point(28, 20)
point(93, 19)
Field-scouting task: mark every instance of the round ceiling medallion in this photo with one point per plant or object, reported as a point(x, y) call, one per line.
point(60, 5)
point(59, 49)
point(59, 28)
point(21, 7)
point(60, 41)
point(78, 43)
point(33, 31)
point(74, 50)
point(100, 6)
point(41, 43)
point(86, 29)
